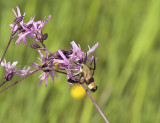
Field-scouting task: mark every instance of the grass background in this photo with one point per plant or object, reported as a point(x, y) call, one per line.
point(128, 66)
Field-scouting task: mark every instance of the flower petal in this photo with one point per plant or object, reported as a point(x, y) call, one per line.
point(92, 49)
point(22, 72)
point(13, 65)
point(49, 17)
point(14, 13)
point(41, 79)
point(24, 41)
point(59, 61)
point(35, 65)
point(18, 11)
point(46, 81)
point(42, 56)
point(51, 74)
point(66, 61)
point(21, 36)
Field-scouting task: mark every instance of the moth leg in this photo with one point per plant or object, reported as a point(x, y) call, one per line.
point(93, 62)
point(85, 59)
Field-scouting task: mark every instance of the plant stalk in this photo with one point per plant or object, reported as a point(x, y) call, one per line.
point(100, 111)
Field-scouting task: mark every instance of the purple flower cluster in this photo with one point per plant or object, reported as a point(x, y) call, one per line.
point(30, 29)
point(71, 62)
point(47, 68)
point(67, 62)
point(63, 61)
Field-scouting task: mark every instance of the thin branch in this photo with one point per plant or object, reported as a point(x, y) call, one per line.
point(19, 80)
point(100, 111)
point(43, 45)
point(11, 37)
point(45, 48)
point(6, 49)
point(2, 83)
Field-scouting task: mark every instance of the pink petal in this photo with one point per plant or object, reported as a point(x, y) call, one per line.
point(47, 20)
point(18, 11)
point(21, 37)
point(41, 79)
point(35, 65)
point(64, 57)
point(59, 61)
point(32, 71)
point(39, 59)
point(92, 49)
point(46, 81)
point(55, 74)
point(24, 14)
point(24, 41)
point(42, 56)
point(14, 12)
point(74, 45)
point(11, 25)
point(51, 74)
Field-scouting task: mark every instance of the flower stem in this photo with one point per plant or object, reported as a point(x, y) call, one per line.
point(19, 80)
point(100, 111)
point(11, 37)
point(45, 48)
point(6, 49)
point(2, 83)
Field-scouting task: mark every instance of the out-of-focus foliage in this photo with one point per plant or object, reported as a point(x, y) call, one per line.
point(128, 65)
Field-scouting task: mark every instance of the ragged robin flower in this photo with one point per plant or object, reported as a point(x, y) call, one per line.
point(47, 68)
point(31, 29)
point(34, 29)
point(11, 70)
point(72, 63)
point(68, 63)
point(18, 19)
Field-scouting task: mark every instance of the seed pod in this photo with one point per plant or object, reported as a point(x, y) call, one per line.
point(34, 46)
point(45, 36)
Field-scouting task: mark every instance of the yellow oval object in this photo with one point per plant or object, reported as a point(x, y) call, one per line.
point(78, 92)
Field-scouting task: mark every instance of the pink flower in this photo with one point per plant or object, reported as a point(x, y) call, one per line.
point(47, 68)
point(77, 54)
point(19, 19)
point(31, 29)
point(11, 69)
point(68, 62)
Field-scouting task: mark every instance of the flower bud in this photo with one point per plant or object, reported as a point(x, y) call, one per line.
point(8, 76)
point(39, 36)
point(18, 19)
point(45, 36)
point(34, 46)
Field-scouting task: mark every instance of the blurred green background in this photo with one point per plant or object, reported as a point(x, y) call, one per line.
point(128, 66)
